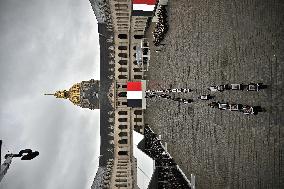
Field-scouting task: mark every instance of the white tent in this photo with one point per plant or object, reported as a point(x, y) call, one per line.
point(145, 165)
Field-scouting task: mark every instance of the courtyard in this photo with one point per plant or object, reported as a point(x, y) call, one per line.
point(220, 42)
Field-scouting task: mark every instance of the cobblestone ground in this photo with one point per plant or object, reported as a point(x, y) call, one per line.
point(218, 42)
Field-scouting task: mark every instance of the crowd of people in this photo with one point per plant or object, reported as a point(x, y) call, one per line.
point(166, 171)
point(167, 96)
point(245, 109)
point(162, 25)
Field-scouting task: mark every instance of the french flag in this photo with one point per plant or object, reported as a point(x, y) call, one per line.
point(136, 94)
point(143, 7)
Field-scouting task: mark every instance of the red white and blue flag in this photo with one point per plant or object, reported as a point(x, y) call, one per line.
point(143, 7)
point(136, 94)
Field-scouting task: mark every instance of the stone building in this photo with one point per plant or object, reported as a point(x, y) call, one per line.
point(127, 34)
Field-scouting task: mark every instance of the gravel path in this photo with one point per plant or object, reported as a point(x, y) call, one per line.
point(218, 42)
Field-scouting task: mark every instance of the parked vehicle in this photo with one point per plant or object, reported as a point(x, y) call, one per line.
point(223, 106)
point(247, 110)
point(205, 97)
point(214, 104)
point(255, 86)
point(219, 88)
point(235, 107)
point(237, 86)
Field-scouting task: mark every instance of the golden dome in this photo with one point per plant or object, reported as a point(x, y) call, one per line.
point(73, 94)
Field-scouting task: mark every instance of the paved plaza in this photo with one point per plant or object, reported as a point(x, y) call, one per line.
point(220, 42)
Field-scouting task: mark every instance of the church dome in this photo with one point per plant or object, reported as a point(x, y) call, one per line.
point(74, 94)
point(84, 94)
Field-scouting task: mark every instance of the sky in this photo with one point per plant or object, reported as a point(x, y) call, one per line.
point(47, 46)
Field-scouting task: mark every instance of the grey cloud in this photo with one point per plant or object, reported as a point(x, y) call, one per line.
point(46, 46)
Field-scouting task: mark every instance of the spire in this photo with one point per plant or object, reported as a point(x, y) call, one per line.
point(59, 94)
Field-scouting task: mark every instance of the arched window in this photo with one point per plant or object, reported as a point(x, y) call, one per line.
point(137, 69)
point(122, 119)
point(122, 112)
point(122, 141)
point(138, 112)
point(120, 180)
point(134, 55)
point(122, 21)
point(121, 6)
point(122, 62)
point(122, 94)
point(122, 77)
point(122, 36)
point(122, 48)
point(121, 134)
point(121, 184)
point(122, 55)
point(122, 69)
point(134, 48)
point(122, 14)
point(122, 126)
point(137, 119)
point(137, 76)
point(138, 36)
point(135, 62)
point(122, 25)
point(122, 18)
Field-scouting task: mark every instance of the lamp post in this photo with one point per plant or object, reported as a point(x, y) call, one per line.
point(26, 154)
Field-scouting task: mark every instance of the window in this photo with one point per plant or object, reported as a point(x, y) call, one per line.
point(122, 14)
point(138, 36)
point(122, 113)
point(122, 94)
point(121, 134)
point(122, 36)
point(121, 185)
point(137, 69)
point(122, 119)
point(137, 76)
point(121, 6)
point(122, 55)
point(122, 69)
point(137, 119)
point(122, 126)
point(122, 153)
point(122, 48)
point(122, 141)
point(122, 62)
point(138, 112)
point(122, 77)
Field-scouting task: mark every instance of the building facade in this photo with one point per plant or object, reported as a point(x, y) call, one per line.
point(128, 33)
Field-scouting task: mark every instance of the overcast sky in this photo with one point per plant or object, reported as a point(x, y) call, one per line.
point(46, 45)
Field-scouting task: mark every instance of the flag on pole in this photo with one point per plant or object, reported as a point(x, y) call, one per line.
point(143, 7)
point(136, 94)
